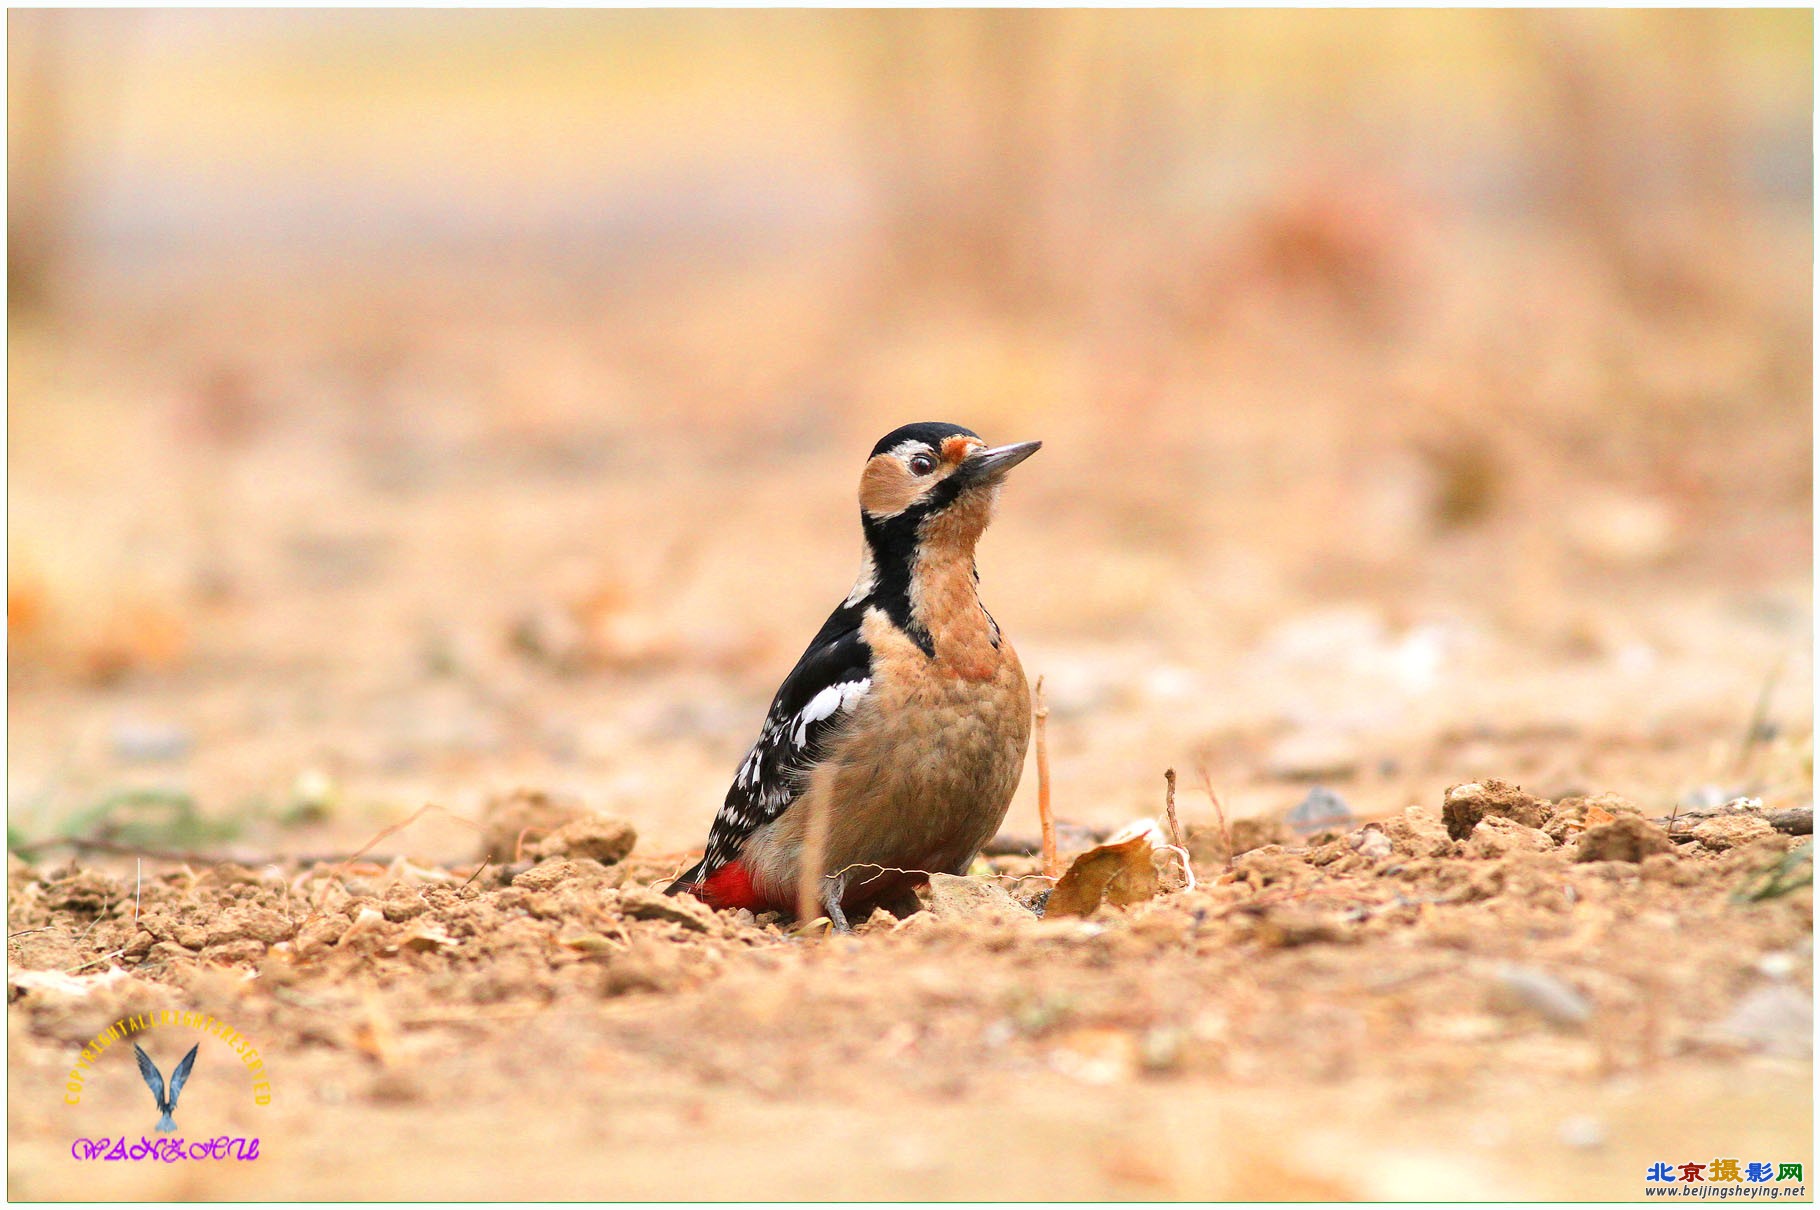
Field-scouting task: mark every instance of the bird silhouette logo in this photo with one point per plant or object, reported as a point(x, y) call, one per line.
point(167, 1102)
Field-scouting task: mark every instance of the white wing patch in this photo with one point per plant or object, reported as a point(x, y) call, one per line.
point(826, 704)
point(769, 779)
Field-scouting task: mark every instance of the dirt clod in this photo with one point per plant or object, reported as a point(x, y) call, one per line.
point(1572, 816)
point(235, 953)
point(1207, 846)
point(558, 870)
point(1625, 838)
point(1418, 833)
point(1730, 831)
point(685, 910)
point(951, 897)
point(597, 837)
point(85, 891)
point(1272, 865)
point(1256, 831)
point(523, 817)
point(1464, 805)
point(1283, 969)
point(1499, 836)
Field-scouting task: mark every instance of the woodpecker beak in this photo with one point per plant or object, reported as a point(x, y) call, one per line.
point(989, 466)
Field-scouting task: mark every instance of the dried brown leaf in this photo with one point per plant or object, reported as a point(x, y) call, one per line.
point(1118, 874)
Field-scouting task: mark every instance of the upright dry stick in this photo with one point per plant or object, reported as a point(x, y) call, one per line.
point(1052, 861)
point(1219, 813)
point(1175, 827)
point(342, 868)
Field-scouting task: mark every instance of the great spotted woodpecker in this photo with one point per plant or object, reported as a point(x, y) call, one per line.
point(899, 736)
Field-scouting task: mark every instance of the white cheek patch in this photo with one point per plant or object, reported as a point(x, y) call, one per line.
point(826, 704)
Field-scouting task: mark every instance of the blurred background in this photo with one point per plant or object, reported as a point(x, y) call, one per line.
point(407, 406)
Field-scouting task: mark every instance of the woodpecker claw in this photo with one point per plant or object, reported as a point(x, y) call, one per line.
point(834, 886)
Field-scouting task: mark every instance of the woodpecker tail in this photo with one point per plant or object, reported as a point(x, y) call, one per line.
point(689, 881)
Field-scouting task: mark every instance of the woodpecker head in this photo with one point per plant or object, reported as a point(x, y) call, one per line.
point(933, 483)
point(925, 498)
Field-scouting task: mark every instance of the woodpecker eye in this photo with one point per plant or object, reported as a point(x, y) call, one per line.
point(922, 464)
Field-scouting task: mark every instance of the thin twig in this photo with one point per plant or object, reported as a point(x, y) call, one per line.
point(885, 869)
point(1052, 860)
point(92, 961)
point(664, 884)
point(336, 873)
point(1790, 821)
point(1175, 827)
point(1219, 813)
point(476, 874)
point(518, 846)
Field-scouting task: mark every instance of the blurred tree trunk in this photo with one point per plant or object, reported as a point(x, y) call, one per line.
point(1642, 161)
point(1016, 156)
point(65, 89)
point(39, 187)
point(953, 125)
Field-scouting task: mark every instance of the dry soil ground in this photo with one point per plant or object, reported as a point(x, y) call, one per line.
point(1390, 1013)
point(288, 564)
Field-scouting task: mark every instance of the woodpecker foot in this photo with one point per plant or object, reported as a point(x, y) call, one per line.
point(834, 886)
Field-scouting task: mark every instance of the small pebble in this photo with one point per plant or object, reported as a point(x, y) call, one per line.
point(1372, 843)
point(1320, 811)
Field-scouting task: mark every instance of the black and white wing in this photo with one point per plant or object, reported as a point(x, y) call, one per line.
point(153, 1079)
point(832, 677)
